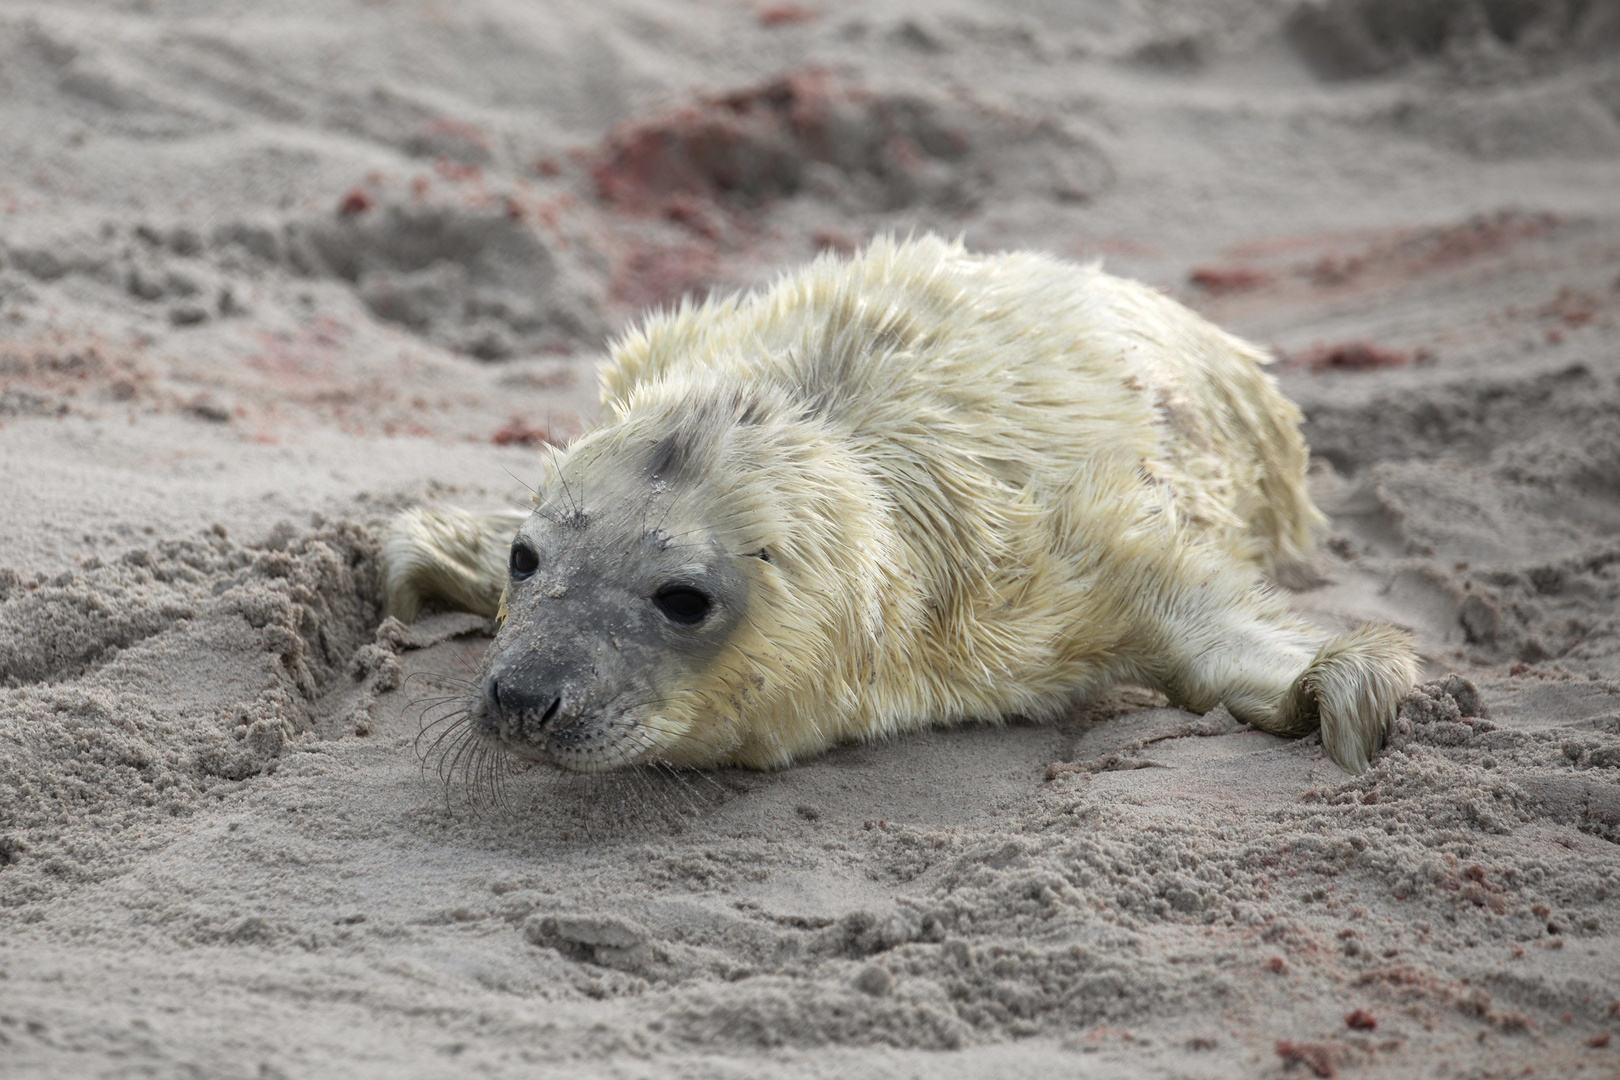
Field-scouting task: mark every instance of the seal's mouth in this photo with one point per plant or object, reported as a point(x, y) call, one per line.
point(576, 743)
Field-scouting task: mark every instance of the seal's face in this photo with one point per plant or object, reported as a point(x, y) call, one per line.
point(702, 584)
point(613, 614)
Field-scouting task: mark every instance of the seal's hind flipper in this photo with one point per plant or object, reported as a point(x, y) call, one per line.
point(449, 555)
point(1216, 635)
point(1354, 686)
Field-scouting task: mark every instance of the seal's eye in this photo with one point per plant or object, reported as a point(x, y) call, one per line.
point(683, 605)
point(524, 561)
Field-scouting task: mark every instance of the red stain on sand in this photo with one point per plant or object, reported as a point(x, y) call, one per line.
point(62, 372)
point(1227, 279)
point(1353, 356)
point(755, 144)
point(711, 165)
point(699, 215)
point(1361, 1020)
point(787, 14)
point(1478, 889)
point(1409, 252)
point(516, 433)
point(1317, 1057)
point(457, 171)
point(650, 273)
point(743, 142)
point(1349, 260)
point(1574, 307)
point(1408, 984)
point(702, 166)
point(356, 200)
point(1483, 234)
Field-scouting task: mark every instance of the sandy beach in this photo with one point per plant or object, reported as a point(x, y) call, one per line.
point(271, 272)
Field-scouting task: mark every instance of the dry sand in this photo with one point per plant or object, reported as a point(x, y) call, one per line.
point(270, 271)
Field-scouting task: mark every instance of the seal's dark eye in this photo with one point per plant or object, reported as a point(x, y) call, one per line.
point(524, 562)
point(683, 605)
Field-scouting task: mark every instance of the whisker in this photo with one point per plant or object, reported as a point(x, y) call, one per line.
point(460, 752)
point(640, 787)
point(438, 676)
point(451, 707)
point(458, 722)
point(520, 482)
point(689, 803)
point(567, 491)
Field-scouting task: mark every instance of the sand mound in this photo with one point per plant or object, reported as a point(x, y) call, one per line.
point(863, 150)
point(1353, 38)
point(479, 280)
point(273, 643)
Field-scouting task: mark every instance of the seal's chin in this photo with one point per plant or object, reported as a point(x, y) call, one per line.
point(595, 759)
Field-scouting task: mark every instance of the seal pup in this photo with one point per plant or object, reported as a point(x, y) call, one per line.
point(913, 487)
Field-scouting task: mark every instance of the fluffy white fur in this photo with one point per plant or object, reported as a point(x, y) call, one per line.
point(990, 486)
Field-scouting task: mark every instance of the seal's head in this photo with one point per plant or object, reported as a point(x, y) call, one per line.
point(688, 573)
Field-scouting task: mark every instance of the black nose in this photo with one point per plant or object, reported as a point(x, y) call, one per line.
point(512, 700)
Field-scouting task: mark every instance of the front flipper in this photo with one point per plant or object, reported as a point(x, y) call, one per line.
point(449, 555)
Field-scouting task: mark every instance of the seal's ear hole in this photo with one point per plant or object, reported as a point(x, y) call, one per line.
point(763, 555)
point(670, 458)
point(524, 561)
point(683, 604)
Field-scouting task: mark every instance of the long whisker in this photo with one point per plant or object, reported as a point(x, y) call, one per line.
point(520, 482)
point(439, 677)
point(441, 759)
point(451, 727)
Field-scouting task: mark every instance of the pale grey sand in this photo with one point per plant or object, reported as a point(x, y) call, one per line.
point(270, 271)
